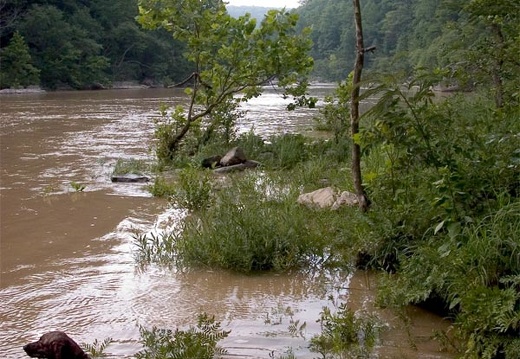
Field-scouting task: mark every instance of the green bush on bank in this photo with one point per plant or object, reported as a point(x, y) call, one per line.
point(446, 215)
point(252, 226)
point(443, 178)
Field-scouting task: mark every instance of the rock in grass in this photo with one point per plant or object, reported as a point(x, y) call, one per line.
point(328, 197)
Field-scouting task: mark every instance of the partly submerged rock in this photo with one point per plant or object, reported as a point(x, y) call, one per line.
point(130, 178)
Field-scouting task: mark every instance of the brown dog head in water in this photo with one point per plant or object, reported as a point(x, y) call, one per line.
point(55, 345)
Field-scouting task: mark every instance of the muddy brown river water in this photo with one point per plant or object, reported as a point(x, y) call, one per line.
point(66, 257)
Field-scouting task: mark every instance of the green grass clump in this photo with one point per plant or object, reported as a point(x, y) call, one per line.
point(197, 342)
point(247, 230)
point(162, 187)
point(189, 188)
point(346, 334)
point(131, 166)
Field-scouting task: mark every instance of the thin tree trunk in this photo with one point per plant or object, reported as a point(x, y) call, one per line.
point(354, 110)
point(497, 68)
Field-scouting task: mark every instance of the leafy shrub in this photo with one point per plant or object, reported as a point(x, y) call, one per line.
point(481, 284)
point(443, 178)
point(194, 188)
point(167, 127)
point(252, 226)
point(163, 187)
point(197, 342)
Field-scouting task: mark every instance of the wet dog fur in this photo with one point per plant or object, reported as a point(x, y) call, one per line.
point(55, 345)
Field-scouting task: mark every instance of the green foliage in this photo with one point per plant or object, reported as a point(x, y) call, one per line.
point(163, 187)
point(335, 114)
point(17, 67)
point(85, 44)
point(229, 235)
point(221, 128)
point(443, 175)
point(494, 52)
point(49, 32)
point(78, 187)
point(156, 248)
point(345, 334)
point(97, 349)
point(232, 57)
point(476, 40)
point(130, 166)
point(194, 189)
point(445, 147)
point(197, 342)
point(166, 127)
point(480, 284)
point(332, 36)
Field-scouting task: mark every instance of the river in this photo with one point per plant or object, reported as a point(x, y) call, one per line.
point(66, 257)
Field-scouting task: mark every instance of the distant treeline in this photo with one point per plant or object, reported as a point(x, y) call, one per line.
point(89, 43)
point(84, 43)
point(460, 35)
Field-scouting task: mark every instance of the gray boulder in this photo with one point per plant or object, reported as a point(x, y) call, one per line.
point(328, 197)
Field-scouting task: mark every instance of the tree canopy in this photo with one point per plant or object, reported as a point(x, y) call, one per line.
point(457, 34)
point(80, 44)
point(229, 56)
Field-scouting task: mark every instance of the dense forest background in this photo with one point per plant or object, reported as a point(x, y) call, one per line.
point(89, 43)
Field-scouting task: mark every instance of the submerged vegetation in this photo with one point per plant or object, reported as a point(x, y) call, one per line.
point(197, 342)
point(346, 334)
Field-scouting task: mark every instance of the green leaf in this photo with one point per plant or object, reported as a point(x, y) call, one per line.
point(438, 227)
